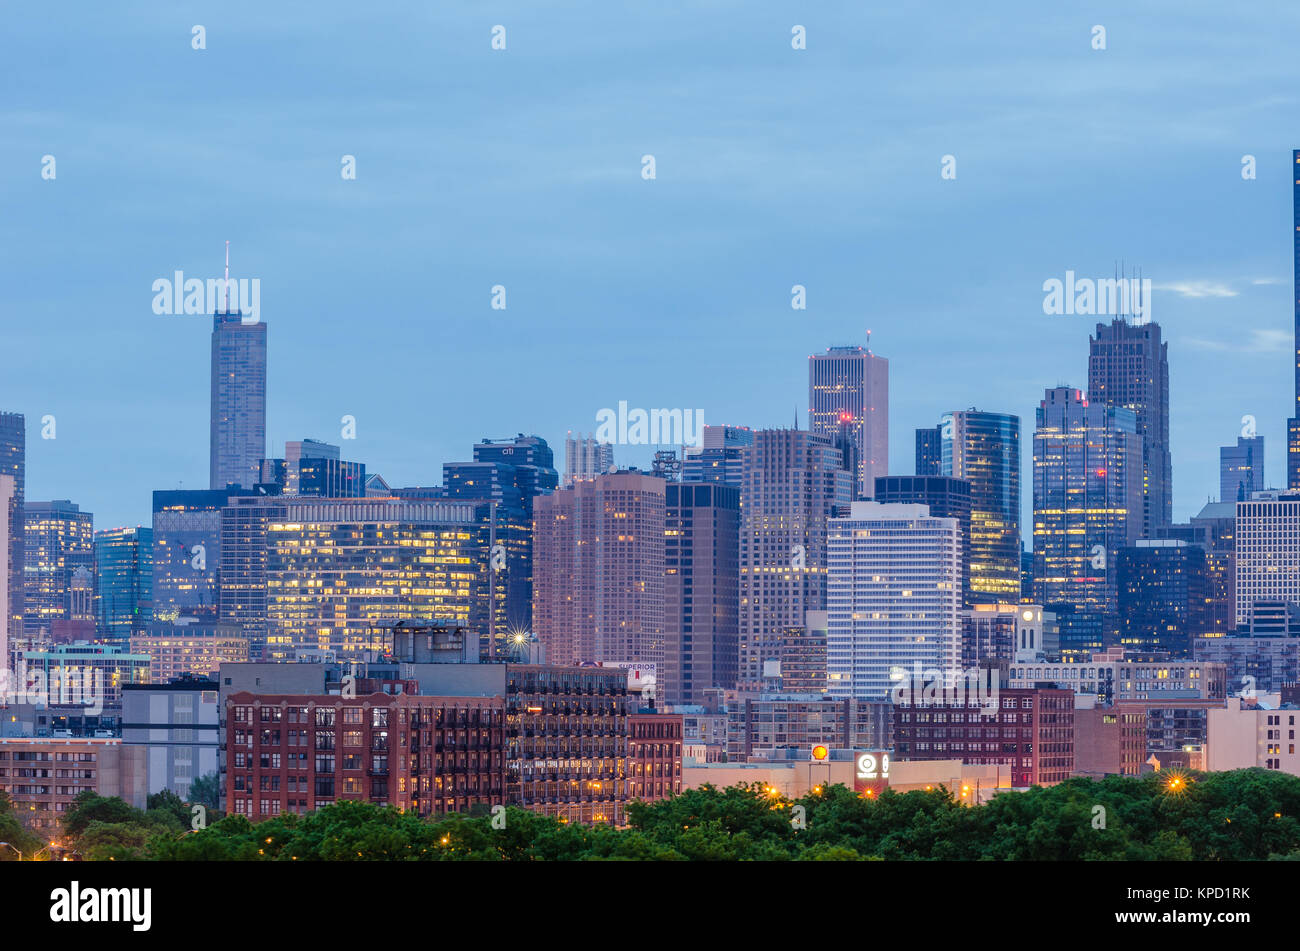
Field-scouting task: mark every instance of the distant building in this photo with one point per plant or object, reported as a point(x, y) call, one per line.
point(803, 656)
point(1128, 368)
point(59, 540)
point(13, 464)
point(945, 497)
point(196, 650)
point(792, 480)
point(848, 402)
point(929, 451)
point(893, 598)
point(1241, 469)
point(1163, 596)
point(238, 412)
point(1246, 735)
point(1110, 741)
point(1087, 499)
point(761, 728)
point(123, 582)
point(701, 590)
point(1268, 560)
point(598, 558)
point(719, 457)
point(983, 449)
point(1262, 655)
point(108, 666)
point(1110, 678)
point(585, 458)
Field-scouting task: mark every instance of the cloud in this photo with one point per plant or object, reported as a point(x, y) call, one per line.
point(1256, 341)
point(1270, 280)
point(1198, 289)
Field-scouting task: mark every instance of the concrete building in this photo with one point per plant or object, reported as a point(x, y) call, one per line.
point(585, 458)
point(791, 482)
point(598, 569)
point(893, 598)
point(177, 650)
point(1267, 559)
point(42, 776)
point(1246, 735)
point(1111, 678)
point(178, 726)
point(763, 727)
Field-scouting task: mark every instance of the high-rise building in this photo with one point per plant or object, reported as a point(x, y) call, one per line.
point(701, 590)
point(848, 404)
point(1087, 499)
point(238, 415)
point(187, 550)
point(791, 481)
point(1213, 530)
point(1293, 424)
point(585, 458)
point(719, 456)
point(1241, 469)
point(13, 463)
point(7, 491)
point(337, 568)
point(511, 474)
point(929, 451)
point(1163, 596)
point(242, 597)
point(59, 540)
point(123, 582)
point(984, 449)
point(1268, 559)
point(945, 497)
point(311, 467)
point(598, 570)
point(1128, 366)
point(893, 598)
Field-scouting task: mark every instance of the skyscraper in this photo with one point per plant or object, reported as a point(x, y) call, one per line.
point(238, 416)
point(311, 467)
point(123, 583)
point(1128, 366)
point(59, 540)
point(945, 497)
point(337, 568)
point(893, 598)
point(598, 570)
point(1293, 424)
point(791, 480)
point(510, 474)
point(719, 457)
point(1087, 499)
point(929, 451)
point(984, 449)
point(848, 402)
point(7, 507)
point(1241, 469)
point(701, 590)
point(1268, 559)
point(585, 458)
point(13, 463)
point(1163, 596)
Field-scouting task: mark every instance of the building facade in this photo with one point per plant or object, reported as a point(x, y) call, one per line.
point(848, 405)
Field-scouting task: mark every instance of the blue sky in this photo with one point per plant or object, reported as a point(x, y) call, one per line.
point(522, 168)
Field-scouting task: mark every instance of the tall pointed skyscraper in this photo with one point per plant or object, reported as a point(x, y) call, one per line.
point(848, 404)
point(238, 420)
point(1128, 367)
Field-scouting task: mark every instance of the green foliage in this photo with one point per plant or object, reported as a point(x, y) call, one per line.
point(1244, 815)
point(206, 791)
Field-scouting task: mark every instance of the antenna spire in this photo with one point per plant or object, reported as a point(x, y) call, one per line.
point(227, 277)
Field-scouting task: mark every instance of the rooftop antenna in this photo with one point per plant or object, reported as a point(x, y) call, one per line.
point(868, 338)
point(227, 277)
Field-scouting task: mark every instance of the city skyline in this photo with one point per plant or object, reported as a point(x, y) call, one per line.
point(353, 279)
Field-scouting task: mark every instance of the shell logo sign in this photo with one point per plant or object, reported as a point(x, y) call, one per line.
point(820, 752)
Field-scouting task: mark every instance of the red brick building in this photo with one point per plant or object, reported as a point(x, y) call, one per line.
point(1031, 732)
point(654, 757)
point(297, 753)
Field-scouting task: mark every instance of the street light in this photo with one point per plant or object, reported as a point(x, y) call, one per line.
point(15, 848)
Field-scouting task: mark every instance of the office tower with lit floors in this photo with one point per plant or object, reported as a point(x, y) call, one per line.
point(848, 404)
point(238, 408)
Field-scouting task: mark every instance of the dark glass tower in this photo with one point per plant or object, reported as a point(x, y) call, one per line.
point(1128, 366)
point(984, 449)
point(238, 416)
point(929, 451)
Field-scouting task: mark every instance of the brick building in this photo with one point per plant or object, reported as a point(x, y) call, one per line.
point(43, 775)
point(1032, 732)
point(654, 756)
point(429, 755)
